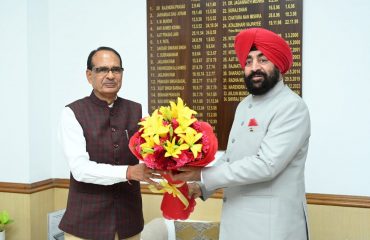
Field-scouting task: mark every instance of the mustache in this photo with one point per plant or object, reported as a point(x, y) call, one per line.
point(109, 81)
point(257, 73)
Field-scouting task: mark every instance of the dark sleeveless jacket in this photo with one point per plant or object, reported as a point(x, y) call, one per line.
point(97, 211)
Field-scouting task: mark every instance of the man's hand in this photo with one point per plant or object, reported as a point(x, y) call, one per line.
point(140, 172)
point(187, 174)
point(194, 190)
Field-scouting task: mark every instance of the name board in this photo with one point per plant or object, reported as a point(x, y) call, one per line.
point(191, 53)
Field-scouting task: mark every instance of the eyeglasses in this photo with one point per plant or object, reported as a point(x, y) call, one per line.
point(105, 70)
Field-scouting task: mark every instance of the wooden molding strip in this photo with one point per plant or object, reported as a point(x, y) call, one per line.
point(26, 187)
point(338, 200)
point(312, 198)
point(61, 183)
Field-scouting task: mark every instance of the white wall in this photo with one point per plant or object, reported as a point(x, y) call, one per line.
point(336, 36)
point(76, 28)
point(336, 82)
point(39, 114)
point(14, 136)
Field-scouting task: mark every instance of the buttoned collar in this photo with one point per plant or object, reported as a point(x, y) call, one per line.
point(100, 102)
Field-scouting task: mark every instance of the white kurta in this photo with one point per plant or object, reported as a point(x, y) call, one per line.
point(262, 170)
point(73, 143)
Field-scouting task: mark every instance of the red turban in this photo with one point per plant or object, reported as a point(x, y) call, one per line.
point(269, 43)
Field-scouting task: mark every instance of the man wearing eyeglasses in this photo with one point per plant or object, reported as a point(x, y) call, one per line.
point(103, 202)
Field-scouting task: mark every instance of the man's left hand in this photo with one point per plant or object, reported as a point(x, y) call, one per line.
point(188, 174)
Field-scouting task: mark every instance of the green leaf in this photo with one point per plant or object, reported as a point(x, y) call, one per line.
point(4, 220)
point(171, 131)
point(148, 150)
point(4, 217)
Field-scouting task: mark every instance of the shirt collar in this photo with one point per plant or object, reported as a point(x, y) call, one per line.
point(100, 102)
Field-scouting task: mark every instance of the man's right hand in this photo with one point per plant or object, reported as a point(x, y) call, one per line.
point(140, 172)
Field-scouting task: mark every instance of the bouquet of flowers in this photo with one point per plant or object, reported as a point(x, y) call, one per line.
point(171, 138)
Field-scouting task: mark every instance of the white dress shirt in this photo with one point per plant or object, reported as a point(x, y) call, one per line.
point(74, 147)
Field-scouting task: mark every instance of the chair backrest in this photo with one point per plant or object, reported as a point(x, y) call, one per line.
point(156, 229)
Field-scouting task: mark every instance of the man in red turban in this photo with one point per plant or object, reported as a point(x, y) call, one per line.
point(262, 170)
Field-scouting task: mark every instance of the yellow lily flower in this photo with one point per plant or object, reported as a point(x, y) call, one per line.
point(195, 149)
point(153, 126)
point(166, 112)
point(179, 110)
point(183, 114)
point(173, 150)
point(148, 146)
point(191, 137)
point(184, 124)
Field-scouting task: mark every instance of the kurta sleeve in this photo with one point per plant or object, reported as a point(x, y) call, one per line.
point(74, 148)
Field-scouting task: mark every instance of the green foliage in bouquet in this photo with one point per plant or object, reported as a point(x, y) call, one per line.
point(4, 220)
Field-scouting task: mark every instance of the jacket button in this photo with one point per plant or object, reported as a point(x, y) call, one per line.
point(250, 105)
point(233, 140)
point(115, 145)
point(227, 159)
point(224, 199)
point(242, 123)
